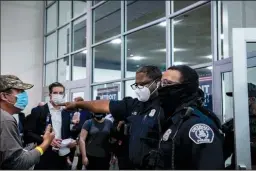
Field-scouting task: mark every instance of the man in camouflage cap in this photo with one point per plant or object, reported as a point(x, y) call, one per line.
point(13, 99)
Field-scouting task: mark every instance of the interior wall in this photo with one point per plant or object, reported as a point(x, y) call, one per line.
point(22, 44)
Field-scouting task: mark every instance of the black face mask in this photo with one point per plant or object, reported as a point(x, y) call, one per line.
point(172, 97)
point(98, 116)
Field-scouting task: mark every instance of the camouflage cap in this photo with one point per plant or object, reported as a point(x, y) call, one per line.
point(11, 81)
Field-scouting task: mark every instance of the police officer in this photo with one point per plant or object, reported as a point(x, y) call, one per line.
point(143, 113)
point(191, 139)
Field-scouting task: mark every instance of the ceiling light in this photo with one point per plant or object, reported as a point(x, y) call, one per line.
point(136, 58)
point(210, 67)
point(163, 24)
point(131, 55)
point(178, 63)
point(116, 41)
point(222, 36)
point(178, 49)
point(209, 56)
point(85, 51)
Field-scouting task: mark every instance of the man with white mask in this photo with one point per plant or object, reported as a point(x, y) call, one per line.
point(51, 113)
point(143, 115)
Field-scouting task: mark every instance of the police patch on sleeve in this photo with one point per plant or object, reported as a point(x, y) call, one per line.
point(201, 134)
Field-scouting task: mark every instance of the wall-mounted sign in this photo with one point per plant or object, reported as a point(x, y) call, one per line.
point(205, 84)
point(109, 93)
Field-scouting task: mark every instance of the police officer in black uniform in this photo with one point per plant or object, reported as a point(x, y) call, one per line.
point(143, 114)
point(191, 139)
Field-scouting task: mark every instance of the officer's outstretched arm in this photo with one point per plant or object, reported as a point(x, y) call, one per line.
point(97, 106)
point(205, 143)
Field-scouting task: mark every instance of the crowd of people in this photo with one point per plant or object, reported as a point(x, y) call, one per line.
point(166, 127)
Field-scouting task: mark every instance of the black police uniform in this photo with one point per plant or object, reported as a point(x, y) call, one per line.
point(143, 119)
point(192, 141)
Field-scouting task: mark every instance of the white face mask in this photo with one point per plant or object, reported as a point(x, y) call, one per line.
point(58, 99)
point(144, 94)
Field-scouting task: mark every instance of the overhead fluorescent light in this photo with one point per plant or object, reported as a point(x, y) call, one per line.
point(131, 55)
point(116, 41)
point(175, 50)
point(178, 63)
point(179, 49)
point(85, 51)
point(210, 67)
point(136, 58)
point(209, 56)
point(163, 24)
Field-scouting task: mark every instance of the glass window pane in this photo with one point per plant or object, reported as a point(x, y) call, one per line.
point(95, 1)
point(107, 20)
point(63, 41)
point(205, 83)
point(79, 65)
point(79, 33)
point(51, 22)
point(177, 5)
point(78, 94)
point(46, 98)
point(50, 73)
point(142, 12)
point(49, 2)
point(192, 37)
point(129, 92)
point(231, 13)
point(63, 69)
point(111, 91)
point(143, 49)
point(51, 47)
point(107, 61)
point(79, 7)
point(64, 12)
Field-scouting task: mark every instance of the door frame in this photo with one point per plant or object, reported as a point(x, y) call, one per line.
point(238, 65)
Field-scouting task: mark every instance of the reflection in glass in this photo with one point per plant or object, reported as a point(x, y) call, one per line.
point(192, 37)
point(51, 22)
point(63, 41)
point(146, 47)
point(64, 12)
point(142, 12)
point(49, 2)
point(79, 65)
point(129, 92)
point(79, 7)
point(107, 20)
point(78, 94)
point(107, 61)
point(227, 101)
point(177, 5)
point(79, 33)
point(96, 1)
point(51, 47)
point(205, 83)
point(50, 73)
point(63, 69)
point(251, 52)
point(111, 91)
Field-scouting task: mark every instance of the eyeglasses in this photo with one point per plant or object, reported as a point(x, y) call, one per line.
point(166, 83)
point(141, 86)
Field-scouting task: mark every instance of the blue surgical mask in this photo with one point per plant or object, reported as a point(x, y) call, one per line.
point(22, 100)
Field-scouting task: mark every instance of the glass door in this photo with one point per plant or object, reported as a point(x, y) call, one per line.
point(77, 92)
point(244, 93)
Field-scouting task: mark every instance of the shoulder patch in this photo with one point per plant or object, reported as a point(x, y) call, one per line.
point(201, 134)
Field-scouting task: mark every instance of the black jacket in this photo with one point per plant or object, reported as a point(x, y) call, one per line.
point(35, 124)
